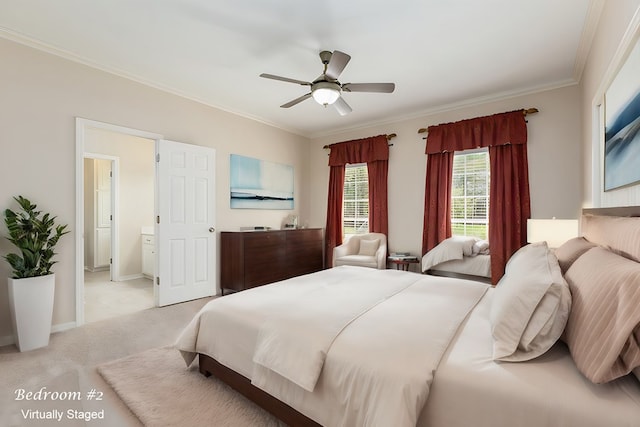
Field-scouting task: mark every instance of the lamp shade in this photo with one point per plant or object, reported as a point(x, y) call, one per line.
point(554, 231)
point(325, 93)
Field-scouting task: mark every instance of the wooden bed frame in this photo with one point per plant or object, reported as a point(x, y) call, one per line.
point(242, 385)
point(284, 412)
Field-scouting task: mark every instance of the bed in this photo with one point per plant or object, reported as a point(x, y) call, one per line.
point(458, 256)
point(402, 360)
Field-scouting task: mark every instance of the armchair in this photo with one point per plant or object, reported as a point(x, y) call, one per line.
point(365, 250)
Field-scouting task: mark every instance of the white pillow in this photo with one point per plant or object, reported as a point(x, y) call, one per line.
point(481, 247)
point(466, 243)
point(369, 247)
point(531, 305)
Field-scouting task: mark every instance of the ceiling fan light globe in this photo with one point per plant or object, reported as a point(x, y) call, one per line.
point(325, 95)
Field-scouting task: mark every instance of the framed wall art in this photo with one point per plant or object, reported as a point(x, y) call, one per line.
point(622, 125)
point(258, 184)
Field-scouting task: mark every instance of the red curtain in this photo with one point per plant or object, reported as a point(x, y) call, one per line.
point(437, 200)
point(333, 231)
point(359, 151)
point(499, 129)
point(375, 153)
point(509, 204)
point(378, 209)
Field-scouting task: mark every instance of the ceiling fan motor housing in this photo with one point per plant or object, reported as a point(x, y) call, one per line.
point(325, 56)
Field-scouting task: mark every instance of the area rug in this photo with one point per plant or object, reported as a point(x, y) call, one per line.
point(160, 390)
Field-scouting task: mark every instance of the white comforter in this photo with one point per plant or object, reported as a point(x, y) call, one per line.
point(295, 342)
point(454, 248)
point(372, 366)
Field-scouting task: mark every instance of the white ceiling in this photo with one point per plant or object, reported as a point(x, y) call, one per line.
point(440, 53)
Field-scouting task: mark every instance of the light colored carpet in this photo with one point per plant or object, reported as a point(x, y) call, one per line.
point(158, 387)
point(69, 364)
point(104, 299)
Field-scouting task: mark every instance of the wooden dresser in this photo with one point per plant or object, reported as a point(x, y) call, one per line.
point(253, 258)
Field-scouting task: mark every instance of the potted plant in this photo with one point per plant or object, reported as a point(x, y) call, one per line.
point(32, 284)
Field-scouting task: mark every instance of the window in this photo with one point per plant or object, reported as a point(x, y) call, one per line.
point(470, 194)
point(355, 201)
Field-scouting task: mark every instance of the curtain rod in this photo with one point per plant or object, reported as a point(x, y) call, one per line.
point(389, 137)
point(524, 111)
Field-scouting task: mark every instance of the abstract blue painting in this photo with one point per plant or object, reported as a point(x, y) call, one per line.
point(622, 125)
point(258, 184)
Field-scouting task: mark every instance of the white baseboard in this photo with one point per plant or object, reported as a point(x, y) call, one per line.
point(130, 277)
point(9, 339)
point(63, 327)
point(96, 269)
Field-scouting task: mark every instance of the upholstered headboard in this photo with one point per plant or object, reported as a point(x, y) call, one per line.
point(617, 229)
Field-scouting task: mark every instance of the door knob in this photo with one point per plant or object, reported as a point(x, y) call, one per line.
point(211, 229)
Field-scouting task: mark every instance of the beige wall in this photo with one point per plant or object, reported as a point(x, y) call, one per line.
point(43, 94)
point(553, 151)
point(618, 17)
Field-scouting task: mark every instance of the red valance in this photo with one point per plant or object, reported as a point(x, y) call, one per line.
point(359, 151)
point(498, 129)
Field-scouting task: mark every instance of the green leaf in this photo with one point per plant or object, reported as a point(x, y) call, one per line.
point(35, 235)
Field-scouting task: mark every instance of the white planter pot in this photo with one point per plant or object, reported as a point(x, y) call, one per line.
point(31, 305)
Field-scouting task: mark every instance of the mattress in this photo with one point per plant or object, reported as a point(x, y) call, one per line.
point(468, 387)
point(372, 374)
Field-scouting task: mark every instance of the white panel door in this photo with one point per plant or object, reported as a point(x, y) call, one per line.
point(102, 184)
point(185, 237)
point(103, 247)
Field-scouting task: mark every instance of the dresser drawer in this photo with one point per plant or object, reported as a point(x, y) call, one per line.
point(254, 258)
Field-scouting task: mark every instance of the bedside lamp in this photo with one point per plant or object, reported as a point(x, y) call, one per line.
point(554, 231)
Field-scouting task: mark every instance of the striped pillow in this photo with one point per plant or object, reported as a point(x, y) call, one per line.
point(570, 251)
point(604, 322)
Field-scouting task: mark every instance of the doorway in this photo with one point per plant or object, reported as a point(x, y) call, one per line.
point(117, 186)
point(105, 294)
point(179, 232)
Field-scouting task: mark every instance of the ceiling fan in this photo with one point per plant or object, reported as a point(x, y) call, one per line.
point(326, 89)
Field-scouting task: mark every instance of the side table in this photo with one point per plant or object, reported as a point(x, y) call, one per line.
point(402, 263)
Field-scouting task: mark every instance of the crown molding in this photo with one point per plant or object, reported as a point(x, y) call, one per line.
point(472, 102)
point(586, 39)
point(70, 56)
point(595, 6)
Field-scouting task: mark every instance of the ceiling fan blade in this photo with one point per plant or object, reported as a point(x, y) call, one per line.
point(342, 107)
point(296, 101)
point(336, 65)
point(284, 79)
point(369, 87)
